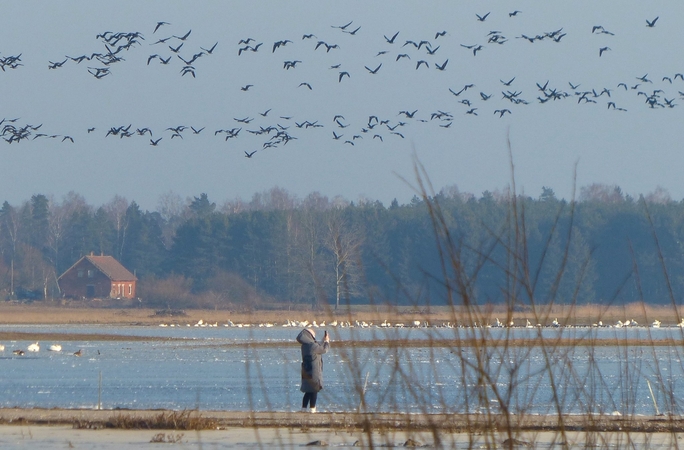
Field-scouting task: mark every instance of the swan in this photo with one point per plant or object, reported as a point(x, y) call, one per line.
point(2, 348)
point(34, 347)
point(55, 348)
point(555, 323)
point(528, 325)
point(656, 323)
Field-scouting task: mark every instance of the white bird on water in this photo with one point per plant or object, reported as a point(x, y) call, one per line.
point(55, 348)
point(2, 348)
point(34, 347)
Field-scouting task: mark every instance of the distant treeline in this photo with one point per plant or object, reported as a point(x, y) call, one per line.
point(604, 247)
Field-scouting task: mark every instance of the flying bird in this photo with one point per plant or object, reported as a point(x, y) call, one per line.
point(342, 74)
point(182, 38)
point(154, 143)
point(211, 50)
point(603, 49)
point(373, 71)
point(249, 155)
point(391, 40)
point(342, 27)
point(159, 24)
point(440, 34)
point(482, 18)
point(443, 66)
point(652, 23)
point(305, 84)
point(246, 87)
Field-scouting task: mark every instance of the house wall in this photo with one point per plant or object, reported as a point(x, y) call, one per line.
point(75, 282)
point(123, 289)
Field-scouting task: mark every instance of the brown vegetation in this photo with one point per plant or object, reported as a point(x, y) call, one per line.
point(93, 313)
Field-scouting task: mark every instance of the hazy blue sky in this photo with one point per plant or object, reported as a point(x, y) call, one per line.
point(638, 149)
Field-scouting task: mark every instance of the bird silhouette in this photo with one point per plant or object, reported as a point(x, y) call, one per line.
point(278, 44)
point(422, 62)
point(55, 65)
point(403, 55)
point(440, 34)
point(342, 74)
point(391, 40)
point(652, 23)
point(514, 13)
point(373, 71)
point(246, 87)
point(211, 50)
point(305, 84)
point(482, 18)
point(159, 24)
point(342, 27)
point(603, 49)
point(249, 155)
point(155, 143)
point(507, 83)
point(443, 66)
point(182, 38)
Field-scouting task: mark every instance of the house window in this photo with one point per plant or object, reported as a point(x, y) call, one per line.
point(80, 273)
point(130, 289)
point(91, 274)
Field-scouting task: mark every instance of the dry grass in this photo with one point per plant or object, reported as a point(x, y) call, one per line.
point(167, 420)
point(580, 315)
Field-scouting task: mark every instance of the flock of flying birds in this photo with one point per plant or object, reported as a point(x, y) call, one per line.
point(277, 130)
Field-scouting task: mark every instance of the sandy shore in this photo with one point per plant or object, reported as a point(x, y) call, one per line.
point(93, 312)
point(68, 428)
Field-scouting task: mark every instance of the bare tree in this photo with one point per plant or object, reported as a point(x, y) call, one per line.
point(344, 242)
point(173, 211)
point(116, 210)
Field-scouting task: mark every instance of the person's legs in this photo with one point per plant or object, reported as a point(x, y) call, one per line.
point(307, 399)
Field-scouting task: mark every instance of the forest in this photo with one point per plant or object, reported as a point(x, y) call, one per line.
point(277, 249)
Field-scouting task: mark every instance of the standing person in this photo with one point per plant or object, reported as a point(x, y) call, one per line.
point(312, 366)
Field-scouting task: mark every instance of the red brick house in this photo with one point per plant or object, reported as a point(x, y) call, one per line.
point(97, 277)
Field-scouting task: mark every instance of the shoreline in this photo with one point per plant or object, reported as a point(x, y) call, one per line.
point(129, 419)
point(113, 313)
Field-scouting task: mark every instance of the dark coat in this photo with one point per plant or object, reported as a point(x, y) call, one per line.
point(312, 361)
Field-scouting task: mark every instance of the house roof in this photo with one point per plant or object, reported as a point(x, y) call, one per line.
point(109, 266)
point(112, 268)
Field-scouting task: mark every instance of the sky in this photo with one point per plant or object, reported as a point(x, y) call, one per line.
point(632, 145)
